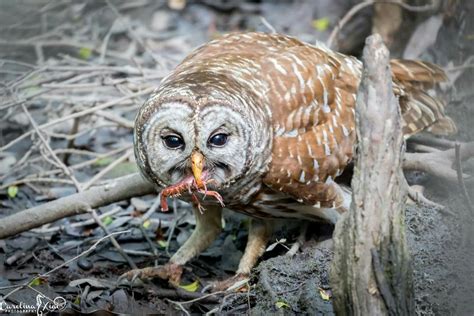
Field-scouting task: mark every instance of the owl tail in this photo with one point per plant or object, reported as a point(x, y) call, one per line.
point(414, 82)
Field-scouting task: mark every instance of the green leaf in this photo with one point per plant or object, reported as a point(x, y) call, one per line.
point(107, 220)
point(12, 191)
point(102, 162)
point(321, 24)
point(192, 287)
point(35, 282)
point(281, 304)
point(162, 243)
point(325, 295)
point(146, 223)
point(85, 53)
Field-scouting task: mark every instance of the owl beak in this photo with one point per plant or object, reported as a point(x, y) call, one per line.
point(197, 164)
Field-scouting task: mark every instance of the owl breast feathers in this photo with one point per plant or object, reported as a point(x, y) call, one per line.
point(286, 109)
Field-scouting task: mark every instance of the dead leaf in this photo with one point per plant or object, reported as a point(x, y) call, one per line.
point(272, 246)
point(95, 283)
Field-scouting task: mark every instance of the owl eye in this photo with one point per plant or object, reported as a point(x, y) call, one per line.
point(173, 141)
point(218, 140)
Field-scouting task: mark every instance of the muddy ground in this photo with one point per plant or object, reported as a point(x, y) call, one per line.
point(441, 242)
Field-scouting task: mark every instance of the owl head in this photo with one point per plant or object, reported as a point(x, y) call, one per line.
point(194, 126)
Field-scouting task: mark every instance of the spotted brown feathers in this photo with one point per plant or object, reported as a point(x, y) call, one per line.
point(293, 108)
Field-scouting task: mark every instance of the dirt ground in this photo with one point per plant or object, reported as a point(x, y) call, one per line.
point(53, 59)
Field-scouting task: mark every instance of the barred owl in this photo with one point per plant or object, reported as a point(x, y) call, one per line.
point(267, 122)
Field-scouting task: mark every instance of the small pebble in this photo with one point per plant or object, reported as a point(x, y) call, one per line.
point(140, 205)
point(84, 264)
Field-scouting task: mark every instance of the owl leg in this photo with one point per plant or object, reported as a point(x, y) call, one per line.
point(208, 227)
point(259, 234)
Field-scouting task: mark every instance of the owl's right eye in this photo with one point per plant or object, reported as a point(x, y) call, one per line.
point(173, 141)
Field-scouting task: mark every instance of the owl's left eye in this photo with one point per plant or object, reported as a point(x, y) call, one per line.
point(218, 140)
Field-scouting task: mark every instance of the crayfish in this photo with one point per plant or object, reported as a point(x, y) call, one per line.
point(190, 185)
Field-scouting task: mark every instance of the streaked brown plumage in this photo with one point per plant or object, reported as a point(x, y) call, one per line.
point(293, 105)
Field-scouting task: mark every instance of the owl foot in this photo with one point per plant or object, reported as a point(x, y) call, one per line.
point(170, 271)
point(237, 283)
point(299, 242)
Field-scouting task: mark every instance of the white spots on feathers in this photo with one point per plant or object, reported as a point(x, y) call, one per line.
point(327, 151)
point(299, 76)
point(278, 67)
point(315, 164)
point(310, 150)
point(302, 177)
point(344, 130)
point(334, 121)
point(291, 133)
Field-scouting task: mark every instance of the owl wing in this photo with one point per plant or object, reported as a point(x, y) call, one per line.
point(312, 96)
point(420, 110)
point(312, 92)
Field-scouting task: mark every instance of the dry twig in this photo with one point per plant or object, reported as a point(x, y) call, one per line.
point(79, 114)
point(112, 239)
point(56, 159)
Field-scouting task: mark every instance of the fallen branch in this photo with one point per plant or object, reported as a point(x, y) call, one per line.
point(116, 190)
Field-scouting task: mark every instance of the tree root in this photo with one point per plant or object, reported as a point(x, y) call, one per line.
point(440, 163)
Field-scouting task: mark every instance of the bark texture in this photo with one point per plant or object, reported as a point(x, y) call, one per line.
point(371, 272)
point(116, 190)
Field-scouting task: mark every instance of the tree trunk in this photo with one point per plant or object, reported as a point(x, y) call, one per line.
point(371, 272)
